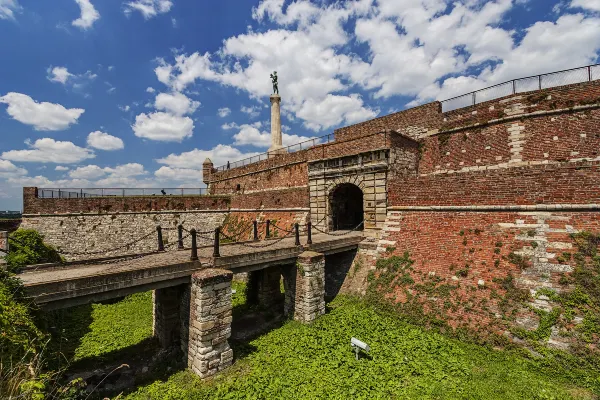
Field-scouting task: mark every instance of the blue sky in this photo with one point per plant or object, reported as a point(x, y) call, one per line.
point(138, 93)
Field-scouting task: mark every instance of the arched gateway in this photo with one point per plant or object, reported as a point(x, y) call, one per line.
point(346, 207)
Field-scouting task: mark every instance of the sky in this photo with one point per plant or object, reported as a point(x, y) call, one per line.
point(138, 93)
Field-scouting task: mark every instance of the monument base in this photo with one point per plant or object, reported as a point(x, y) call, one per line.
point(276, 150)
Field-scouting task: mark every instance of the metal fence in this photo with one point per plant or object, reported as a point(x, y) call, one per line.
point(84, 193)
point(289, 149)
point(528, 84)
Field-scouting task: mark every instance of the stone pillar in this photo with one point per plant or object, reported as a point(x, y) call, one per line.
point(276, 137)
point(207, 170)
point(210, 322)
point(310, 287)
point(289, 285)
point(263, 287)
point(167, 314)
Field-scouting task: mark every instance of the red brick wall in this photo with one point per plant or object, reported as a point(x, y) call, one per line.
point(287, 198)
point(239, 224)
point(34, 205)
point(461, 248)
point(568, 183)
point(412, 122)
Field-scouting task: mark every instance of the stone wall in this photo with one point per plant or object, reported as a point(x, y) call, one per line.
point(310, 287)
point(81, 233)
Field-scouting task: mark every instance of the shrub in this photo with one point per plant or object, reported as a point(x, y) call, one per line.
point(27, 247)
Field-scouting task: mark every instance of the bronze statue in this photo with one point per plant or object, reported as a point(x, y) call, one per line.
point(274, 80)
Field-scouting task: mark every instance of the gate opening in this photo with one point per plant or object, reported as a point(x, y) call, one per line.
point(346, 206)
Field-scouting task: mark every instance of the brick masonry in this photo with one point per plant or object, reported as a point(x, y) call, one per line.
point(210, 322)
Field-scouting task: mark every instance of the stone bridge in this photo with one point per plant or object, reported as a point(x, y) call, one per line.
point(192, 299)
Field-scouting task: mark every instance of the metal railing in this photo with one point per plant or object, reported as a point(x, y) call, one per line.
point(531, 83)
point(289, 149)
point(81, 193)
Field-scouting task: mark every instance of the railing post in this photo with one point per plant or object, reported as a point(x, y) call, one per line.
point(255, 224)
point(216, 252)
point(180, 236)
point(514, 86)
point(309, 232)
point(473, 98)
point(540, 82)
point(589, 73)
point(161, 246)
point(123, 192)
point(194, 255)
point(297, 231)
point(268, 233)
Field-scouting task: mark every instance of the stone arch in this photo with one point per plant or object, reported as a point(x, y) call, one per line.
point(345, 206)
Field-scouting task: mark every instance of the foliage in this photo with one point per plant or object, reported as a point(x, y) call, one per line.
point(298, 361)
point(27, 247)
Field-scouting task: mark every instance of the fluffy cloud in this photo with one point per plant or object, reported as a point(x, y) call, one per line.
point(193, 159)
point(77, 82)
point(592, 5)
point(104, 141)
point(253, 111)
point(148, 8)
point(163, 127)
point(223, 112)
point(10, 170)
point(249, 135)
point(8, 9)
point(89, 15)
point(150, 89)
point(48, 150)
point(42, 116)
point(87, 172)
point(59, 74)
point(175, 103)
point(61, 168)
point(179, 174)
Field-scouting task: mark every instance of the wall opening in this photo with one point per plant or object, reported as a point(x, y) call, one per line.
point(346, 207)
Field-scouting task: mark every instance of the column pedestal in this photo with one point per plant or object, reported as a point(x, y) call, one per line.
point(310, 287)
point(276, 136)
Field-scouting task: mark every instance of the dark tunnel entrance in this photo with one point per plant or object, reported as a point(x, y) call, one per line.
point(346, 207)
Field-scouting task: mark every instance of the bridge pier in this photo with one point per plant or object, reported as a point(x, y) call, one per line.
point(310, 287)
point(167, 312)
point(210, 322)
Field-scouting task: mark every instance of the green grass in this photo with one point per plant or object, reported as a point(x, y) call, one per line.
point(408, 362)
point(103, 332)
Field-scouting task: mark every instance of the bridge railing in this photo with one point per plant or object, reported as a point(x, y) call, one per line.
point(531, 83)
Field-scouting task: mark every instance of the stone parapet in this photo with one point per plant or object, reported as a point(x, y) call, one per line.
point(310, 287)
point(210, 322)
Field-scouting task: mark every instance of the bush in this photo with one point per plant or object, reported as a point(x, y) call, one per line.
point(27, 247)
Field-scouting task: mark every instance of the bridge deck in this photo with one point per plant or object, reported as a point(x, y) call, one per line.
point(77, 283)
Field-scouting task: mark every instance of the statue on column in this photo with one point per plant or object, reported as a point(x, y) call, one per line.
point(274, 81)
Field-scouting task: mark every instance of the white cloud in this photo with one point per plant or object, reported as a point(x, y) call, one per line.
point(193, 159)
point(104, 141)
point(10, 170)
point(59, 74)
point(223, 112)
point(61, 168)
point(148, 8)
point(163, 127)
point(42, 116)
point(252, 111)
point(121, 175)
point(150, 89)
point(175, 103)
point(89, 15)
point(124, 108)
point(87, 172)
point(8, 8)
point(179, 174)
point(249, 135)
point(48, 150)
point(592, 5)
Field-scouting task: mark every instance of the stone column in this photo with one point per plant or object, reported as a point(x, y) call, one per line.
point(276, 138)
point(310, 287)
point(210, 322)
point(167, 314)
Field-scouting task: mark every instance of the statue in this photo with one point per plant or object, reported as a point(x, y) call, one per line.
point(274, 80)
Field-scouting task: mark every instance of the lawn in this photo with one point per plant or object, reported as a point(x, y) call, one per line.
point(405, 362)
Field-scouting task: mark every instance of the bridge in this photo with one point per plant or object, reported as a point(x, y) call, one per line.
point(192, 287)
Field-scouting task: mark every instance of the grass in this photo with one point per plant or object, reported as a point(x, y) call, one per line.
point(102, 332)
point(406, 362)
